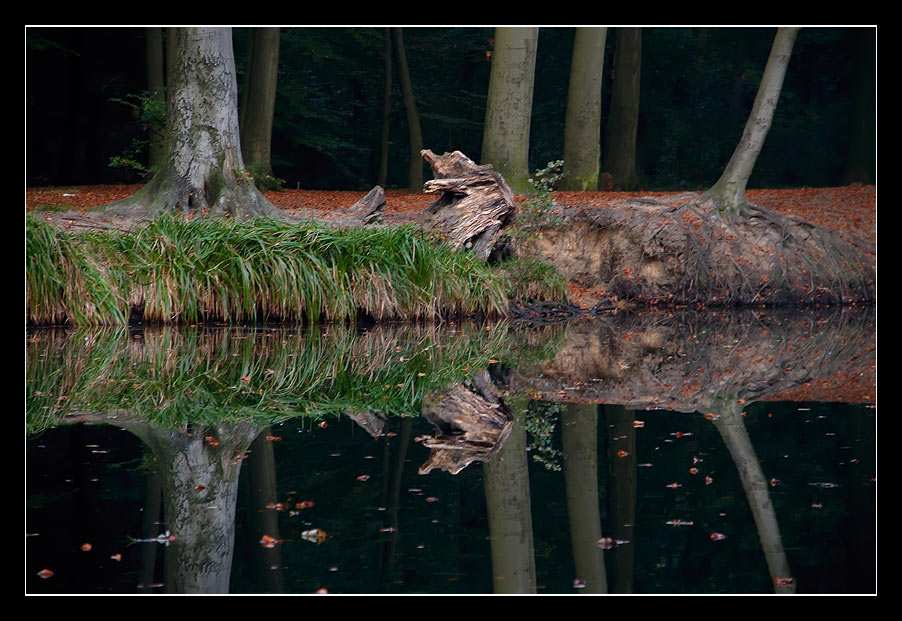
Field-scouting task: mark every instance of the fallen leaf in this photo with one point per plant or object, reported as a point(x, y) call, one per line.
point(45, 573)
point(717, 536)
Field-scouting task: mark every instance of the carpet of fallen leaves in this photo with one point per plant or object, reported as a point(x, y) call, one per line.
point(851, 210)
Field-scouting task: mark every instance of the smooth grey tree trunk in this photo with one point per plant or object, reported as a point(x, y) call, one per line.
point(623, 122)
point(415, 171)
point(729, 191)
point(582, 125)
point(505, 141)
point(259, 101)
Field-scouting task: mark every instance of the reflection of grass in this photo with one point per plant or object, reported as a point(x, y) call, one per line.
point(243, 271)
point(172, 377)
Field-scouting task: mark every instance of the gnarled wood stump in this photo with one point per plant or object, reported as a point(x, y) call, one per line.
point(475, 203)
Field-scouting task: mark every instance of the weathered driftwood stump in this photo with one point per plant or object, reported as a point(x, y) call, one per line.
point(475, 203)
point(471, 425)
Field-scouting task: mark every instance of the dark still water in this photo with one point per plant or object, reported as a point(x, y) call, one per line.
point(461, 459)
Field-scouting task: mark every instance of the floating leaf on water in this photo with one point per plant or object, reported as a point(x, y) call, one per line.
point(693, 470)
point(645, 465)
point(621, 454)
point(45, 573)
point(778, 581)
point(708, 480)
point(323, 425)
point(274, 438)
point(817, 505)
point(304, 504)
point(432, 499)
point(679, 522)
point(774, 482)
point(717, 536)
point(824, 485)
point(268, 542)
point(116, 557)
point(363, 477)
point(638, 423)
point(322, 591)
point(86, 547)
point(712, 416)
point(674, 485)
point(578, 583)
point(314, 535)
point(388, 529)
point(605, 543)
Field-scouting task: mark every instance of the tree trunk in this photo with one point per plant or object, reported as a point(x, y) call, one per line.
point(382, 177)
point(415, 172)
point(505, 141)
point(156, 85)
point(728, 193)
point(258, 104)
point(582, 127)
point(620, 146)
point(203, 173)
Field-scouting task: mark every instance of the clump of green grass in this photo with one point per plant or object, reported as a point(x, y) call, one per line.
point(530, 278)
point(219, 270)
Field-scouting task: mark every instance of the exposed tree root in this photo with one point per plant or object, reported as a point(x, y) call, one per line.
point(686, 251)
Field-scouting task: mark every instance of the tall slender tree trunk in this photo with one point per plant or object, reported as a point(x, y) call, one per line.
point(729, 191)
point(582, 126)
point(505, 140)
point(156, 86)
point(623, 122)
point(259, 102)
point(382, 177)
point(415, 172)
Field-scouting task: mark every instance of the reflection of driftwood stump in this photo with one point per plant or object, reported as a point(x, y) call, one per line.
point(471, 425)
point(475, 203)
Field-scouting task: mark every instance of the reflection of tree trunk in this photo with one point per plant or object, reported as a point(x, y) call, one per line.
point(391, 497)
point(150, 528)
point(579, 433)
point(199, 473)
point(261, 472)
point(622, 504)
point(510, 520)
point(738, 442)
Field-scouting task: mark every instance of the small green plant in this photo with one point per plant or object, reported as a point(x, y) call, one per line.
point(537, 212)
point(149, 109)
point(540, 419)
point(264, 179)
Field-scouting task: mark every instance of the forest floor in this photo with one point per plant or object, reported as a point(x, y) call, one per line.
point(850, 210)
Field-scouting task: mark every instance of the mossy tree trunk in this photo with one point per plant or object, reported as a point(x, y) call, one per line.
point(582, 125)
point(203, 172)
point(505, 140)
point(258, 103)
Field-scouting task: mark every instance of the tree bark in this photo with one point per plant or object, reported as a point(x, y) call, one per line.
point(505, 142)
point(203, 172)
point(156, 85)
point(259, 102)
point(475, 203)
point(382, 177)
point(582, 126)
point(728, 193)
point(620, 145)
point(415, 172)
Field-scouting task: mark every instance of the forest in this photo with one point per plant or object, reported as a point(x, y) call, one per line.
point(84, 88)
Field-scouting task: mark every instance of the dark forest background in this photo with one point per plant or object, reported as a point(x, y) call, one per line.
point(697, 87)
